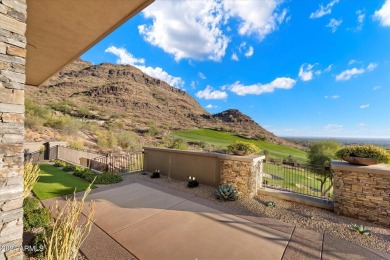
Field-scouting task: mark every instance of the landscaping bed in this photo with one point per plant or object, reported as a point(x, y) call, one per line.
point(320, 220)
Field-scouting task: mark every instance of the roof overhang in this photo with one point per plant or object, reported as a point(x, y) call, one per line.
point(59, 31)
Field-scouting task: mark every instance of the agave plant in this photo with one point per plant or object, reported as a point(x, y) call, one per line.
point(226, 192)
point(360, 229)
point(270, 204)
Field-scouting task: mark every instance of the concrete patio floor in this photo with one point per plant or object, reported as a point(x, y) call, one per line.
point(145, 221)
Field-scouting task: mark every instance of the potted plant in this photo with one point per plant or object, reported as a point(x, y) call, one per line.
point(363, 154)
point(243, 148)
point(192, 182)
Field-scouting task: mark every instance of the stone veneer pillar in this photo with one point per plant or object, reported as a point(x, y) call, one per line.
point(241, 172)
point(362, 192)
point(12, 79)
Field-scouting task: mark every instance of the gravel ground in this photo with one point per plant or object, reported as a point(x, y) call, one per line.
point(304, 216)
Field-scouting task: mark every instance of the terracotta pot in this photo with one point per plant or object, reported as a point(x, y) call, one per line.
point(237, 152)
point(361, 161)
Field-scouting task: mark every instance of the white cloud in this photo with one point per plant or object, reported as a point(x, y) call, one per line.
point(193, 84)
point(334, 24)
point(372, 66)
point(255, 17)
point(125, 57)
point(332, 97)
point(209, 106)
point(234, 57)
point(198, 29)
point(201, 75)
point(258, 89)
point(329, 68)
point(242, 45)
point(323, 10)
point(209, 93)
point(361, 124)
point(249, 52)
point(333, 128)
point(306, 72)
point(364, 106)
point(383, 14)
point(351, 62)
point(376, 87)
point(347, 74)
point(186, 29)
point(361, 15)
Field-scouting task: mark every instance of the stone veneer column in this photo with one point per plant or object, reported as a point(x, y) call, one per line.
point(240, 171)
point(362, 192)
point(12, 79)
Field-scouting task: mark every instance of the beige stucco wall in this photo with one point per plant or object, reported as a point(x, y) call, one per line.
point(12, 79)
point(209, 168)
point(362, 192)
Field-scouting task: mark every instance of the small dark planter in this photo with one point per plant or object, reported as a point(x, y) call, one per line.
point(361, 161)
point(192, 184)
point(240, 153)
point(155, 174)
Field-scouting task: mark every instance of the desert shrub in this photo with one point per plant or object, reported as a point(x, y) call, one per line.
point(76, 144)
point(84, 112)
point(65, 106)
point(66, 124)
point(30, 203)
point(266, 153)
point(247, 148)
point(39, 217)
point(365, 151)
point(261, 137)
point(153, 131)
point(107, 139)
point(68, 233)
point(128, 140)
point(179, 144)
point(30, 177)
point(108, 178)
point(35, 114)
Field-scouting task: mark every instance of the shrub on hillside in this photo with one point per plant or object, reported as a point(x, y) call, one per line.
point(179, 144)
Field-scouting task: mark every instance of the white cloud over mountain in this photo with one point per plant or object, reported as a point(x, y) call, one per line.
point(258, 89)
point(125, 57)
point(197, 29)
point(209, 93)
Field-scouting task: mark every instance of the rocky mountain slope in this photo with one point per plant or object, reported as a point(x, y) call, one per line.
point(124, 95)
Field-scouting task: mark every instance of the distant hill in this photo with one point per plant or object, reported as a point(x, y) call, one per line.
point(124, 95)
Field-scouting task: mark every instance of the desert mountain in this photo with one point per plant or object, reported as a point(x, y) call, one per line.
point(123, 94)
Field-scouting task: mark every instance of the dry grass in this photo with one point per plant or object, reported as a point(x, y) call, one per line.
point(30, 177)
point(68, 233)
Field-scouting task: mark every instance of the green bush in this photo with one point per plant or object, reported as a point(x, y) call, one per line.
point(39, 217)
point(59, 163)
point(364, 151)
point(39, 243)
point(179, 144)
point(30, 203)
point(108, 178)
point(69, 168)
point(247, 148)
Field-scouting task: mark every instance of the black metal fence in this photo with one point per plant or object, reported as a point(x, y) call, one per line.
point(118, 163)
point(310, 180)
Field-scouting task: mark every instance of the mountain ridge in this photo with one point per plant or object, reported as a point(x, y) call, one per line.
point(125, 95)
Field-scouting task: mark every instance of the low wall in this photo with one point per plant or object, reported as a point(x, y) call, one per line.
point(362, 192)
point(208, 168)
point(75, 156)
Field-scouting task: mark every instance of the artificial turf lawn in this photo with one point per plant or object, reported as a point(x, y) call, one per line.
point(53, 182)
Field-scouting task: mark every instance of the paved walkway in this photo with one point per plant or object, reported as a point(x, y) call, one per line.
point(146, 221)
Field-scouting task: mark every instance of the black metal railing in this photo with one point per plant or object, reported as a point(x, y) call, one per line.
point(310, 180)
point(118, 163)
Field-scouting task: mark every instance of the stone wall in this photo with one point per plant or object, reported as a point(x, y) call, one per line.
point(12, 79)
point(241, 173)
point(362, 192)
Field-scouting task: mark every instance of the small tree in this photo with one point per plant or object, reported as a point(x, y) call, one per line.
point(320, 155)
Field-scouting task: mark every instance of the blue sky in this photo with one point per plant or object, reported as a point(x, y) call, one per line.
point(298, 68)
